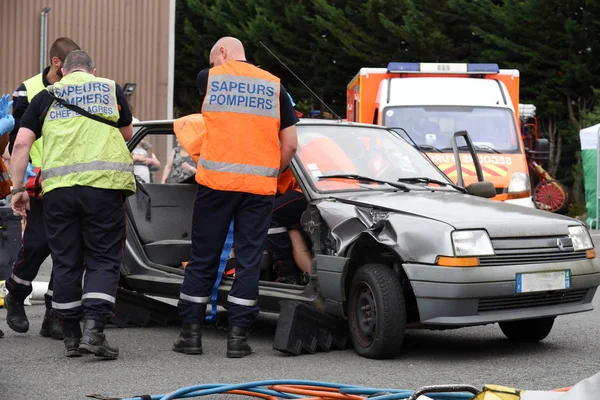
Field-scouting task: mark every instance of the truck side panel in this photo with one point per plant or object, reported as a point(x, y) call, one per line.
point(364, 86)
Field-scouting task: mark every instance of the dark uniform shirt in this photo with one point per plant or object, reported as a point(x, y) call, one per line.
point(20, 104)
point(42, 101)
point(287, 115)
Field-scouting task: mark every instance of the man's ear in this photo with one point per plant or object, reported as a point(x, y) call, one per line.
point(63, 71)
point(94, 72)
point(55, 61)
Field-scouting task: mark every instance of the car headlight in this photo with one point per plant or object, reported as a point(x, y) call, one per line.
point(519, 182)
point(472, 243)
point(581, 238)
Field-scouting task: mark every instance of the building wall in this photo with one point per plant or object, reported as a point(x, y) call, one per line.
point(129, 40)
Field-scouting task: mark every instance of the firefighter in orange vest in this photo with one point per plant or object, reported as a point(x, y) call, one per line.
point(250, 138)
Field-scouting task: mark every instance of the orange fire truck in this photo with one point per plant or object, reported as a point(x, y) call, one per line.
point(431, 101)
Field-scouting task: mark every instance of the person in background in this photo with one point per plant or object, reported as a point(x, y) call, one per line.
point(180, 166)
point(7, 123)
point(145, 162)
point(88, 173)
point(34, 249)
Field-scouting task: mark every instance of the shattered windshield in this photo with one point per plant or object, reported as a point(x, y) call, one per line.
point(372, 153)
point(491, 129)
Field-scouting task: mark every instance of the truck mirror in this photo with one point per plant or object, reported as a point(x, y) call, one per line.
point(482, 189)
point(542, 145)
point(457, 159)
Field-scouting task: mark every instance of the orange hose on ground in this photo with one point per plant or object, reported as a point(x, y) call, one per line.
point(322, 388)
point(321, 393)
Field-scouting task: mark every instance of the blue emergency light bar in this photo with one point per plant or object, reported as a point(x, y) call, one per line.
point(442, 68)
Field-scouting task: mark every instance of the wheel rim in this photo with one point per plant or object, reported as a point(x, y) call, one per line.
point(365, 314)
point(549, 196)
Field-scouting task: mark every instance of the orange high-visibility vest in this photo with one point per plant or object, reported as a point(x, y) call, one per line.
point(287, 182)
point(323, 156)
point(240, 151)
point(190, 131)
point(5, 182)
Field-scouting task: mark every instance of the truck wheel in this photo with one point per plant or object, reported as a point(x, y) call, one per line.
point(529, 330)
point(376, 312)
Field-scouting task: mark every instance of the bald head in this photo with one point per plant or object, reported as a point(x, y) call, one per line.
point(226, 49)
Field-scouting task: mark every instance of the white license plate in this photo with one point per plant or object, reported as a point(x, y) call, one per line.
point(541, 281)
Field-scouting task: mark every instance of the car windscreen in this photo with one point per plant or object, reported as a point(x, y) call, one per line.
point(374, 153)
point(488, 127)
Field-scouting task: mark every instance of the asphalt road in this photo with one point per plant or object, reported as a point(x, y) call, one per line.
point(33, 367)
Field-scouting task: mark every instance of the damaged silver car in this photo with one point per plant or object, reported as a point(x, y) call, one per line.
point(395, 244)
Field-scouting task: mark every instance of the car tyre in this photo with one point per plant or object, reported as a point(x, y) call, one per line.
point(529, 330)
point(376, 312)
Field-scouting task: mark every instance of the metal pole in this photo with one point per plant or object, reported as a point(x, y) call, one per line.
point(44, 38)
point(597, 176)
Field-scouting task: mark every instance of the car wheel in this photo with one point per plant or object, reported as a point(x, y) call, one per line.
point(376, 312)
point(529, 330)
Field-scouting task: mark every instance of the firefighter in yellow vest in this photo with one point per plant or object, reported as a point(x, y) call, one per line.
point(250, 137)
point(87, 172)
point(34, 249)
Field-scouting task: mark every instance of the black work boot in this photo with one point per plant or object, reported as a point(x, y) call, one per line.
point(189, 340)
point(287, 272)
point(94, 341)
point(15, 314)
point(237, 342)
point(71, 331)
point(51, 326)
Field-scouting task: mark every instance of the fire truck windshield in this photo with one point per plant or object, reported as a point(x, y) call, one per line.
point(491, 129)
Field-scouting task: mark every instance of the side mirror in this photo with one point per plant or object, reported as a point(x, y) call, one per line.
point(482, 189)
point(541, 150)
point(542, 146)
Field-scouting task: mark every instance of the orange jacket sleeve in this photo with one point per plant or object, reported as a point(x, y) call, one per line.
point(190, 131)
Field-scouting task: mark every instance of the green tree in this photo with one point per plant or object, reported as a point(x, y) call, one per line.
point(552, 43)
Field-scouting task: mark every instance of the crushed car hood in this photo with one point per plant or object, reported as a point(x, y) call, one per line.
point(467, 212)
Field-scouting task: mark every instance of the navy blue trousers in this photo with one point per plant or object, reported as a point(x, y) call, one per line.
point(213, 212)
point(33, 252)
point(85, 225)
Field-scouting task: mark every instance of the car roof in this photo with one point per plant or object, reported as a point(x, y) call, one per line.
point(303, 121)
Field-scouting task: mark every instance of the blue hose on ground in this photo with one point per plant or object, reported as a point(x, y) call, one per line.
point(257, 387)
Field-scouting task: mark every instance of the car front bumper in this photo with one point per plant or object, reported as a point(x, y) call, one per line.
point(454, 297)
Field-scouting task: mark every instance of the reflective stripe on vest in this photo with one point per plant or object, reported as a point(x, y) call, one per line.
point(33, 86)
point(79, 151)
point(240, 149)
point(238, 168)
point(87, 167)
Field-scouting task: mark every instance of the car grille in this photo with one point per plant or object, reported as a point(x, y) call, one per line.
point(531, 251)
point(531, 300)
